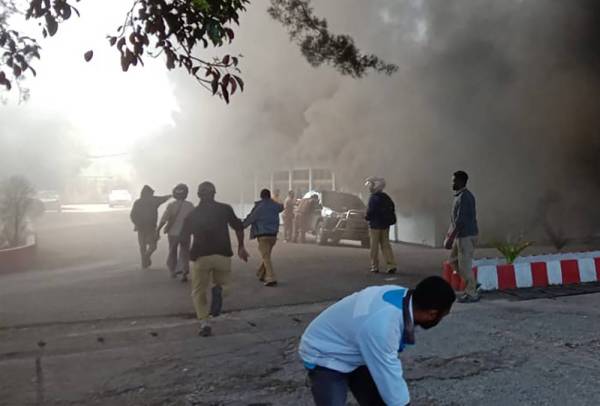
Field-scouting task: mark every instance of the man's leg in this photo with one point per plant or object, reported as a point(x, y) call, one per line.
point(296, 227)
point(363, 388)
point(221, 276)
point(142, 246)
point(152, 242)
point(466, 249)
point(302, 228)
point(374, 235)
point(183, 261)
point(172, 258)
point(200, 279)
point(388, 253)
point(265, 246)
point(328, 387)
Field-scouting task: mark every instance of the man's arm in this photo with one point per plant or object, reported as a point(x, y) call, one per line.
point(378, 340)
point(161, 199)
point(165, 218)
point(133, 215)
point(251, 217)
point(238, 226)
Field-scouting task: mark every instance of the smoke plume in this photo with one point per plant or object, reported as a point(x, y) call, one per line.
point(506, 91)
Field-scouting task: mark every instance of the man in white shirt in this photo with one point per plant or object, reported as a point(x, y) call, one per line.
point(172, 219)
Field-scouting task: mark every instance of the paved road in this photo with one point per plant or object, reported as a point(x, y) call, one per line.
point(87, 268)
point(96, 329)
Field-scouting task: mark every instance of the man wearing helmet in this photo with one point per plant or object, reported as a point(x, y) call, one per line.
point(381, 214)
point(172, 219)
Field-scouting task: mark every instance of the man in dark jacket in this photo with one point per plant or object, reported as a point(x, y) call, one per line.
point(211, 252)
point(381, 214)
point(462, 235)
point(264, 226)
point(144, 215)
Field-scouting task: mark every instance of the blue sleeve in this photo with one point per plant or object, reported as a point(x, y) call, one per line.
point(378, 340)
point(251, 217)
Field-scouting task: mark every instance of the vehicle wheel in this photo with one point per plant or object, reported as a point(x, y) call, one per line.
point(321, 235)
point(335, 241)
point(366, 243)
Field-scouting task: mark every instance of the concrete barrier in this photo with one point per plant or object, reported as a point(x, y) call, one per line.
point(18, 258)
point(533, 271)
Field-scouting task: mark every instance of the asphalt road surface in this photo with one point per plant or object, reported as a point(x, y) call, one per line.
point(87, 268)
point(87, 326)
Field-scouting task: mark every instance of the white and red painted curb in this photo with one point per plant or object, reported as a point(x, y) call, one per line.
point(533, 271)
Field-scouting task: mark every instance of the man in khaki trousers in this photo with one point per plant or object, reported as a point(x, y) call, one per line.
point(264, 222)
point(381, 214)
point(462, 235)
point(211, 252)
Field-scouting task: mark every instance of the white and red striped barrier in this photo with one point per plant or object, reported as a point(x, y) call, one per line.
point(533, 271)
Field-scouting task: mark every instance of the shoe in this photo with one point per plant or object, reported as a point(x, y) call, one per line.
point(374, 270)
point(205, 331)
point(468, 299)
point(271, 284)
point(184, 278)
point(391, 271)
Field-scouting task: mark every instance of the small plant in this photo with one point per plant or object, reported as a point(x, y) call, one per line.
point(511, 250)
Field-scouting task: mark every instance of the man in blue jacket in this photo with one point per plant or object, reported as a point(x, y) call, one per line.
point(264, 222)
point(381, 215)
point(354, 344)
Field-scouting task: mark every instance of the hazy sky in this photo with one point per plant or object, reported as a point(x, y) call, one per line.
point(107, 108)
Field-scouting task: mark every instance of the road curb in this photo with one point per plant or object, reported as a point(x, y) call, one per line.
point(533, 271)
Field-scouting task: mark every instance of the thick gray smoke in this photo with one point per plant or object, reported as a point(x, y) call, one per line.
point(504, 90)
point(44, 149)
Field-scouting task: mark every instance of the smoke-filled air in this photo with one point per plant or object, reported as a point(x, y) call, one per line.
point(503, 90)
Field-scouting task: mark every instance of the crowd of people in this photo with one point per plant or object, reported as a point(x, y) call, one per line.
point(351, 346)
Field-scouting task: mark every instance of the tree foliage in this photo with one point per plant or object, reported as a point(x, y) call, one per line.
point(319, 46)
point(177, 30)
point(16, 197)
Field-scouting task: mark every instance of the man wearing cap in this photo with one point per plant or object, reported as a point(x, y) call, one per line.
point(144, 215)
point(211, 252)
point(178, 261)
point(381, 215)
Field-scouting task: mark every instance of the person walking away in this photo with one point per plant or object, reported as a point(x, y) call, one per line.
point(211, 252)
point(462, 235)
point(144, 215)
point(277, 196)
point(288, 216)
point(264, 226)
point(381, 215)
point(303, 212)
point(178, 261)
point(354, 344)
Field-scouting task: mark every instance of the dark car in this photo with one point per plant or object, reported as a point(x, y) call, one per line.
point(338, 216)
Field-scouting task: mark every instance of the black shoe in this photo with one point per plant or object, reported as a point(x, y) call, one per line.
point(216, 304)
point(468, 299)
point(391, 271)
point(374, 270)
point(205, 331)
point(271, 284)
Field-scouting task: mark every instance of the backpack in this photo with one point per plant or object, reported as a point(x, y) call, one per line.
point(388, 212)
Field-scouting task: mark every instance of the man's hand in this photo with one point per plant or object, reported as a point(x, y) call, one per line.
point(449, 241)
point(243, 254)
